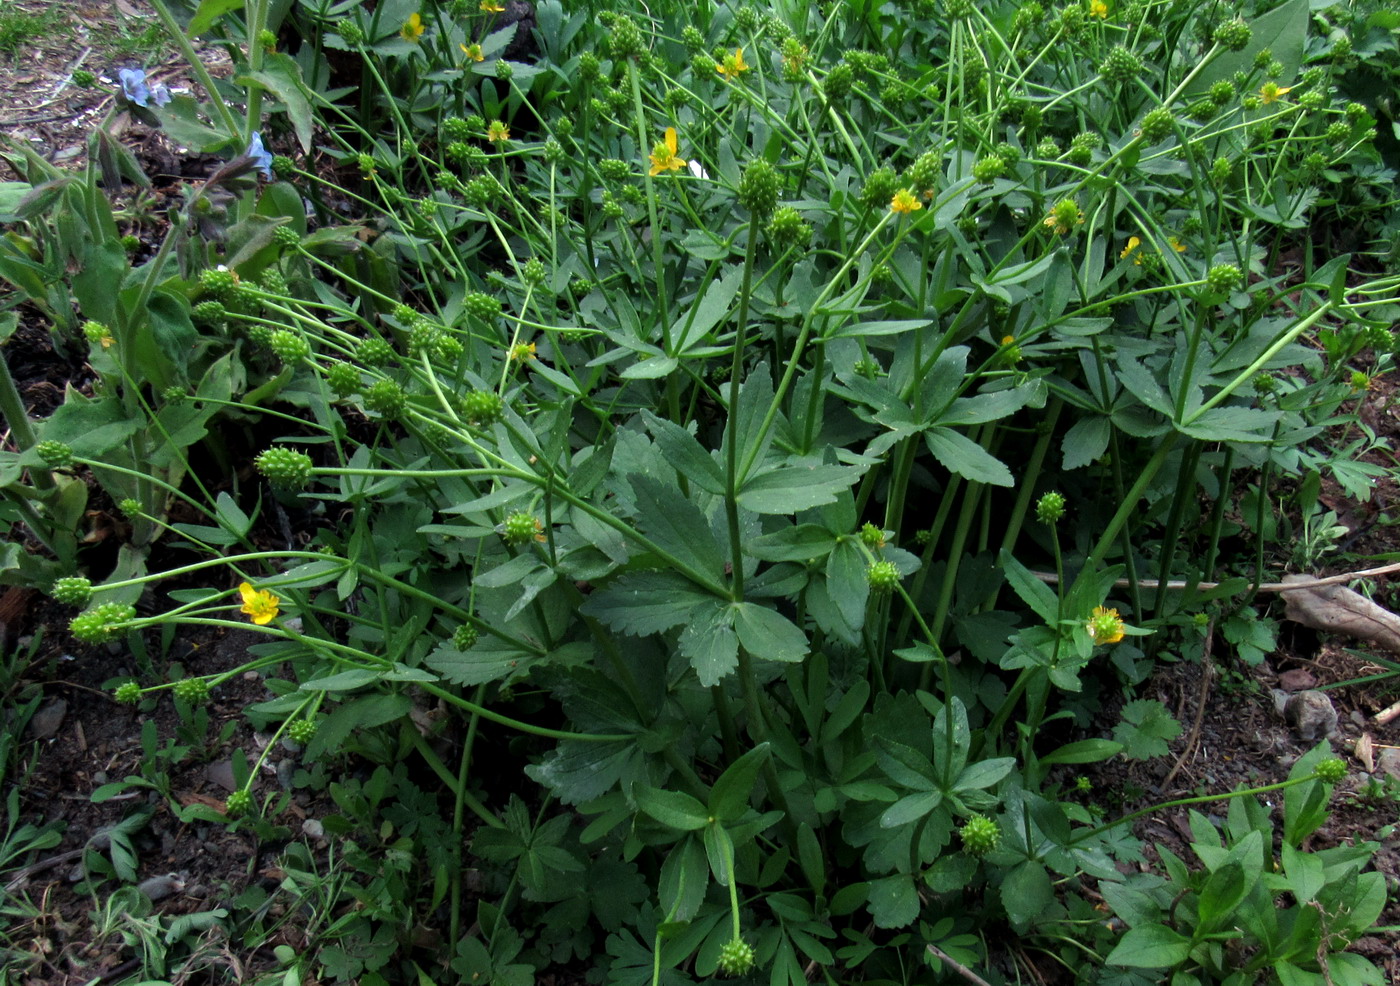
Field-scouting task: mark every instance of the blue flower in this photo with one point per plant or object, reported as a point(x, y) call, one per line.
point(262, 160)
point(134, 88)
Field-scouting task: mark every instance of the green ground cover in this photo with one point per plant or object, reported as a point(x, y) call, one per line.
point(773, 429)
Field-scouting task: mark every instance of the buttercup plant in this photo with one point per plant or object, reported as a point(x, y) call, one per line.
point(617, 368)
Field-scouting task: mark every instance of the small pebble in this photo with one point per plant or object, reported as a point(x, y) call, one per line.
point(159, 887)
point(313, 829)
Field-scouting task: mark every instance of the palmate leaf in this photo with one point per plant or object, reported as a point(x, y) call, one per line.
point(677, 526)
point(710, 643)
point(640, 603)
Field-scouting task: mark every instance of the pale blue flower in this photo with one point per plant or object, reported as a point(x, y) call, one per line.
point(262, 160)
point(137, 92)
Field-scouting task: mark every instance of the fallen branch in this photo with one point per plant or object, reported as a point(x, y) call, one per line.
point(1052, 578)
point(957, 966)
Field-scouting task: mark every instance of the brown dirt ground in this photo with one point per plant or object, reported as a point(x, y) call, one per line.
point(1240, 740)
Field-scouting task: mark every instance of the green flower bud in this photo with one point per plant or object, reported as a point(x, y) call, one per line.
point(1047, 149)
point(290, 347)
point(867, 367)
point(239, 803)
point(480, 305)
point(693, 40)
point(1202, 111)
point(286, 237)
point(464, 636)
point(219, 281)
point(533, 273)
point(55, 455)
point(342, 378)
point(1220, 171)
point(283, 167)
point(373, 351)
point(837, 84)
point(301, 731)
point(612, 169)
point(1331, 770)
point(1157, 125)
point(787, 228)
point(871, 536)
point(130, 507)
point(590, 70)
point(482, 408)
point(101, 623)
point(128, 693)
point(284, 468)
point(625, 39)
point(73, 590)
point(351, 33)
point(385, 398)
point(883, 576)
point(1050, 508)
point(1233, 35)
point(758, 188)
point(735, 957)
point(1338, 132)
point(504, 69)
point(1222, 92)
point(879, 188)
point(192, 690)
point(209, 312)
point(1121, 65)
point(454, 128)
point(980, 835)
point(366, 164)
point(988, 169)
point(84, 79)
point(131, 243)
point(1312, 100)
point(1224, 277)
point(553, 151)
point(521, 527)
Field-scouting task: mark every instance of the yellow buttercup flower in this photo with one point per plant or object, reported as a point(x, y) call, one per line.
point(1105, 625)
point(1270, 92)
point(473, 51)
point(732, 65)
point(521, 352)
point(412, 29)
point(492, 7)
point(259, 604)
point(1099, 9)
point(497, 132)
point(905, 201)
point(1133, 244)
point(1176, 244)
point(664, 155)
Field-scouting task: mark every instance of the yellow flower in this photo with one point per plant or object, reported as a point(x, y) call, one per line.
point(905, 201)
point(107, 340)
point(664, 156)
point(498, 132)
point(1064, 217)
point(492, 7)
point(1099, 9)
point(1133, 244)
point(1105, 626)
point(1008, 340)
point(732, 65)
point(1270, 92)
point(412, 29)
point(259, 604)
point(1176, 244)
point(473, 52)
point(521, 352)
